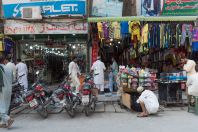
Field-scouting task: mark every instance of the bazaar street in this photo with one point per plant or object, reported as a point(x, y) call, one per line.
point(175, 119)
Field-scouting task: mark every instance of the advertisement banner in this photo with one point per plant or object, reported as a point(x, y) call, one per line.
point(180, 7)
point(71, 26)
point(149, 7)
point(13, 8)
point(107, 8)
point(94, 51)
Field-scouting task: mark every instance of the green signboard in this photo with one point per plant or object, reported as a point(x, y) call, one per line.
point(180, 8)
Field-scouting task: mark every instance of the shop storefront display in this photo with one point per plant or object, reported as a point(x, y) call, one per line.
point(52, 59)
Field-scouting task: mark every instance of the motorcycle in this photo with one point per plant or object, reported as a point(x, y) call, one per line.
point(66, 98)
point(17, 97)
point(39, 98)
point(88, 98)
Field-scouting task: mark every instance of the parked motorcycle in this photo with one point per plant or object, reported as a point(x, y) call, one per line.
point(66, 98)
point(17, 97)
point(88, 98)
point(39, 98)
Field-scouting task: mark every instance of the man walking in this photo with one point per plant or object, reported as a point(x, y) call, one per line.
point(11, 66)
point(98, 67)
point(73, 73)
point(22, 72)
point(5, 94)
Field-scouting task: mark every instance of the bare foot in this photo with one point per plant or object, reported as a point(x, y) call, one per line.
point(142, 115)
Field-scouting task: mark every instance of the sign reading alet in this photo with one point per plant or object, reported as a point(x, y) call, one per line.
point(13, 9)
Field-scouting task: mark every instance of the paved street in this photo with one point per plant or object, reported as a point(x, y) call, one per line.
point(172, 119)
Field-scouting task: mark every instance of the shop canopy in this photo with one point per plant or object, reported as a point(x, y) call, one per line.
point(142, 18)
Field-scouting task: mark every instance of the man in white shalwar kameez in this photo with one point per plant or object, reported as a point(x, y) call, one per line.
point(73, 73)
point(192, 76)
point(5, 94)
point(148, 102)
point(98, 67)
point(22, 73)
point(12, 66)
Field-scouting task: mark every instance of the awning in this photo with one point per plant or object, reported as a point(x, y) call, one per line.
point(142, 18)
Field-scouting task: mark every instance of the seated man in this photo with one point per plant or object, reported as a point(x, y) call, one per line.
point(148, 102)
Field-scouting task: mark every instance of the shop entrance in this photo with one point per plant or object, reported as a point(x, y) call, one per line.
point(52, 56)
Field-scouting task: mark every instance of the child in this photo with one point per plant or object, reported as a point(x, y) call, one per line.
point(111, 77)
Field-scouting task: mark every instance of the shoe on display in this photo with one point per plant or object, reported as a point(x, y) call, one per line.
point(10, 122)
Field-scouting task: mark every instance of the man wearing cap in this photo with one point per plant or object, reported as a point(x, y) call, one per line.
point(73, 73)
point(148, 102)
point(98, 67)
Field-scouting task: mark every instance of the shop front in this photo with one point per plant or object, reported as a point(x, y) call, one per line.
point(148, 50)
point(49, 46)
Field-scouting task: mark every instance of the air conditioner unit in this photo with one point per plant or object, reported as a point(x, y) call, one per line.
point(31, 13)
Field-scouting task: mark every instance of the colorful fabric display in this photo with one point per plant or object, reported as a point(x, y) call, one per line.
point(100, 30)
point(134, 29)
point(105, 30)
point(111, 30)
point(144, 38)
point(195, 34)
point(178, 35)
point(124, 28)
point(162, 35)
point(116, 30)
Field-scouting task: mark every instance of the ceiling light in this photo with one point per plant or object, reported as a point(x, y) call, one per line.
point(118, 42)
point(31, 47)
point(74, 34)
point(73, 46)
point(111, 39)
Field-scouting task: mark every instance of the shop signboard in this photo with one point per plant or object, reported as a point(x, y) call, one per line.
point(180, 7)
point(55, 26)
point(107, 8)
point(13, 8)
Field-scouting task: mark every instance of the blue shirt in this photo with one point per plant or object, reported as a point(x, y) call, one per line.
point(124, 27)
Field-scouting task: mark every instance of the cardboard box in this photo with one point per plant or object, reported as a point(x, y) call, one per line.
point(126, 100)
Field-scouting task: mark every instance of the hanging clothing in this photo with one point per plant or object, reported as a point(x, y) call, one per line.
point(22, 70)
point(178, 35)
point(134, 29)
point(100, 30)
point(195, 34)
point(98, 67)
point(111, 30)
point(73, 72)
point(162, 35)
point(186, 32)
point(144, 38)
point(116, 30)
point(5, 94)
point(105, 30)
point(150, 101)
point(124, 28)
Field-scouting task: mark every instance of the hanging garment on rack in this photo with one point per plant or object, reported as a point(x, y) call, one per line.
point(178, 35)
point(162, 35)
point(144, 38)
point(195, 34)
point(105, 30)
point(100, 30)
point(111, 30)
point(116, 30)
point(166, 36)
point(173, 35)
point(134, 29)
point(124, 28)
point(186, 32)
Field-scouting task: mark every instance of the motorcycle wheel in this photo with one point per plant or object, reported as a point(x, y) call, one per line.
point(43, 112)
point(70, 111)
point(87, 110)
